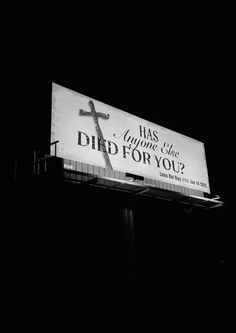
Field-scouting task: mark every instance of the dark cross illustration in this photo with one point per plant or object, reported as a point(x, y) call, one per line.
point(95, 116)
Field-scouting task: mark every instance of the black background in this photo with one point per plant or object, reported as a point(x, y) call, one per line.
point(65, 253)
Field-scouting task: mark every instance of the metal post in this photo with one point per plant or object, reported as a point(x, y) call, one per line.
point(129, 252)
point(55, 144)
point(129, 265)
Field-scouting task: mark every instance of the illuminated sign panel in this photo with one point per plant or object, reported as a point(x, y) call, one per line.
point(96, 133)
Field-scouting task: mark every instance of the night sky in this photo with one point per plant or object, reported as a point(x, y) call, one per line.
point(185, 261)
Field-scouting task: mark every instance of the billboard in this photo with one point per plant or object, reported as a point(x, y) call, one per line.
point(92, 132)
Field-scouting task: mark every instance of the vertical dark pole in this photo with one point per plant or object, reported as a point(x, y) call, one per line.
point(55, 143)
point(55, 149)
point(129, 253)
point(129, 264)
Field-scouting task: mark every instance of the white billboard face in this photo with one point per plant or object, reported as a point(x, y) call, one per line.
point(95, 133)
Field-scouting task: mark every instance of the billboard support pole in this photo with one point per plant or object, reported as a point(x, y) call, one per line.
point(129, 260)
